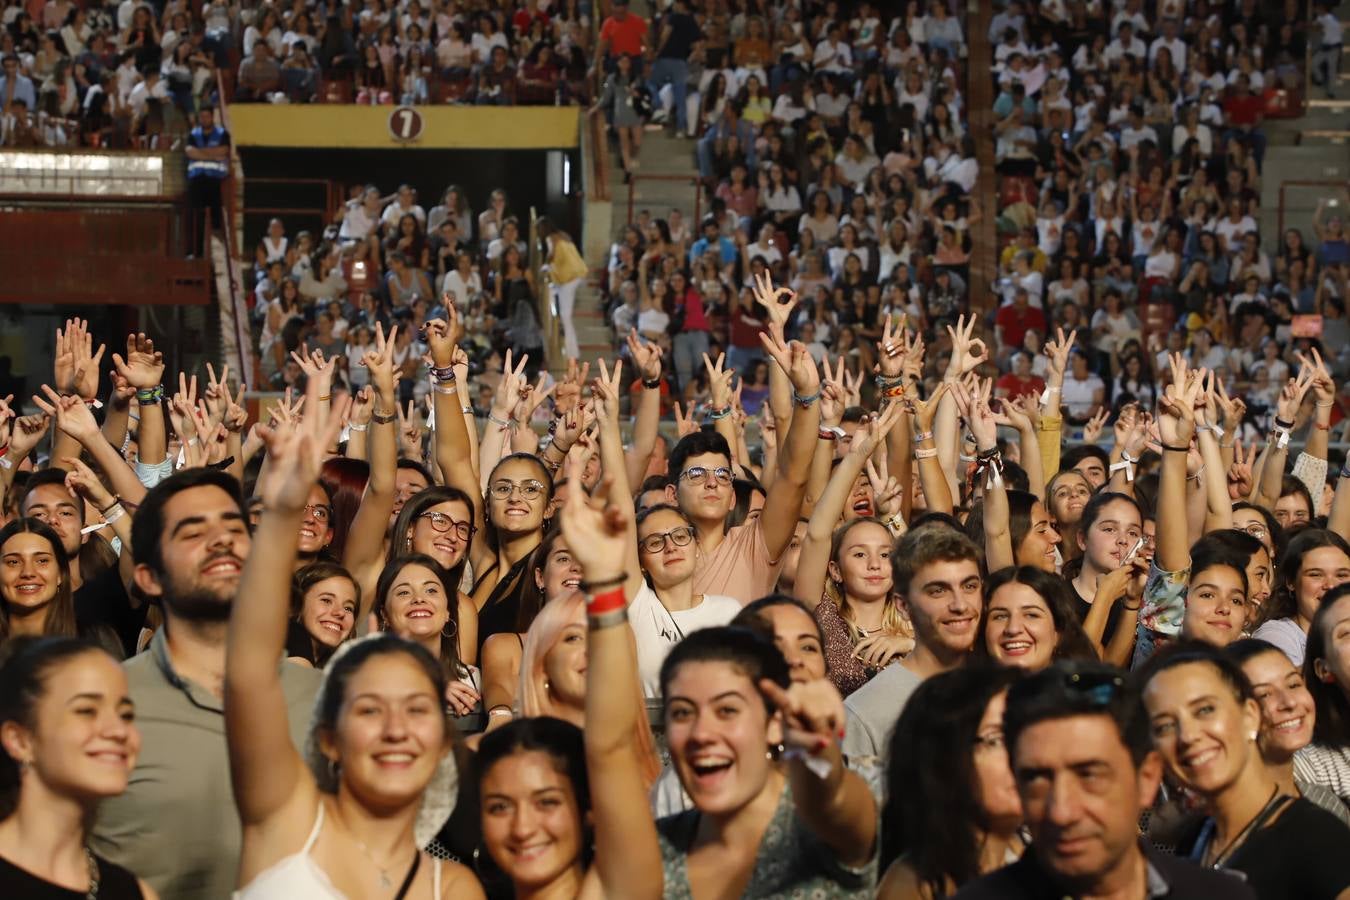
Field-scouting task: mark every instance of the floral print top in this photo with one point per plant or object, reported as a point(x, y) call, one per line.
point(792, 864)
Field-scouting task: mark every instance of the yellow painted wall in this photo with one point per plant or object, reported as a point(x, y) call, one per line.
point(367, 127)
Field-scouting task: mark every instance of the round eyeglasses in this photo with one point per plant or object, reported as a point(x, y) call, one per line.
point(501, 490)
point(443, 524)
point(677, 537)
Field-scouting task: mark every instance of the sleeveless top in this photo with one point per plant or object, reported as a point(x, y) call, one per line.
point(298, 876)
point(114, 883)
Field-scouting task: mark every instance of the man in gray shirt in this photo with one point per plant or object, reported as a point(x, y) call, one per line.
point(176, 825)
point(936, 573)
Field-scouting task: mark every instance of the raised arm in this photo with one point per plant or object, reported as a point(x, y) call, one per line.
point(607, 389)
point(783, 502)
point(1051, 422)
point(647, 420)
point(364, 555)
point(627, 859)
point(1277, 450)
point(814, 561)
point(452, 443)
point(831, 800)
point(1213, 473)
point(967, 355)
point(76, 422)
point(999, 551)
point(266, 771)
point(937, 490)
point(1176, 427)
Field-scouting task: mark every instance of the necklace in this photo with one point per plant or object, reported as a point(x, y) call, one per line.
point(871, 631)
point(385, 881)
point(93, 874)
point(1256, 822)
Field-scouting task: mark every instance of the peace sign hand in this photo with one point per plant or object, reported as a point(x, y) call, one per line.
point(607, 389)
point(685, 423)
point(719, 381)
point(886, 491)
point(646, 357)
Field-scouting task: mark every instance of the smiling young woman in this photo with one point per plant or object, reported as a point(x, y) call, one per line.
point(68, 739)
point(1029, 620)
point(1206, 724)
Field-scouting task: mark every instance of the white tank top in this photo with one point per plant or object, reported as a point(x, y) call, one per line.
point(298, 876)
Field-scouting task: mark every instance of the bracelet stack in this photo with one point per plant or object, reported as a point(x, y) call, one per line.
point(714, 413)
point(890, 388)
point(805, 402)
point(443, 374)
point(150, 395)
point(380, 418)
point(604, 610)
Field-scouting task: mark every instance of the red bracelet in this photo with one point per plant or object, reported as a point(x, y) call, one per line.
point(609, 601)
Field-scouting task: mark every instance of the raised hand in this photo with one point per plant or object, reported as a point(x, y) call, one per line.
point(1057, 354)
point(410, 430)
point(646, 357)
point(217, 397)
point(81, 481)
point(63, 374)
point(892, 349)
point(143, 366)
point(1176, 408)
point(1323, 387)
point(316, 367)
point(512, 382)
point(794, 359)
point(684, 422)
point(27, 433)
point(607, 389)
point(567, 393)
point(967, 353)
point(719, 381)
point(979, 417)
point(872, 431)
point(7, 416)
point(598, 530)
point(1232, 409)
point(72, 416)
point(1092, 431)
point(766, 295)
point(923, 411)
point(531, 397)
point(833, 399)
point(1240, 477)
point(363, 404)
point(813, 713)
point(1291, 396)
point(1013, 413)
point(87, 364)
point(295, 453)
point(379, 359)
point(886, 491)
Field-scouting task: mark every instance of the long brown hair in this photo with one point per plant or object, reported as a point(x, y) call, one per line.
point(60, 621)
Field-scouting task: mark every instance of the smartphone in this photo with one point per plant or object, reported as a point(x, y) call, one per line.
point(1134, 551)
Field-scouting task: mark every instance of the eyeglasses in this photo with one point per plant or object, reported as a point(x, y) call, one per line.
point(1257, 531)
point(1098, 687)
point(677, 537)
point(701, 473)
point(501, 490)
point(320, 512)
point(442, 523)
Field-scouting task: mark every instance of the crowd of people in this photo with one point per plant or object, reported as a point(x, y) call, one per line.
point(901, 633)
point(1129, 139)
point(891, 649)
point(389, 260)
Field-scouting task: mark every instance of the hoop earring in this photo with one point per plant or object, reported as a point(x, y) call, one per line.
point(453, 626)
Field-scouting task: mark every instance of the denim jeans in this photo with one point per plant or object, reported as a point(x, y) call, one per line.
point(688, 348)
point(676, 73)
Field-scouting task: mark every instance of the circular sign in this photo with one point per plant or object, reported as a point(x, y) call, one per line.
point(405, 124)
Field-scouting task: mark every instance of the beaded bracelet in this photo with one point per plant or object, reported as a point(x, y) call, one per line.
point(805, 402)
point(150, 395)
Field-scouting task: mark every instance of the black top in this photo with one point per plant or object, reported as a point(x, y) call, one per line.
point(684, 33)
point(1300, 856)
point(1169, 877)
point(501, 612)
point(114, 883)
point(103, 601)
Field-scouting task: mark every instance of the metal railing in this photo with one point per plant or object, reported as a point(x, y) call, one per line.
point(548, 316)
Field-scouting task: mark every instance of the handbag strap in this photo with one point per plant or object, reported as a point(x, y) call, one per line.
point(408, 880)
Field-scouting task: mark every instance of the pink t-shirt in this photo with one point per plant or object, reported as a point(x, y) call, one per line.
point(740, 567)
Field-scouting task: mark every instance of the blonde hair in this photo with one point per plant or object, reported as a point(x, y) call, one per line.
point(534, 699)
point(893, 619)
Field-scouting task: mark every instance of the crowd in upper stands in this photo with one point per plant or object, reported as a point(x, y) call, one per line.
point(835, 153)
